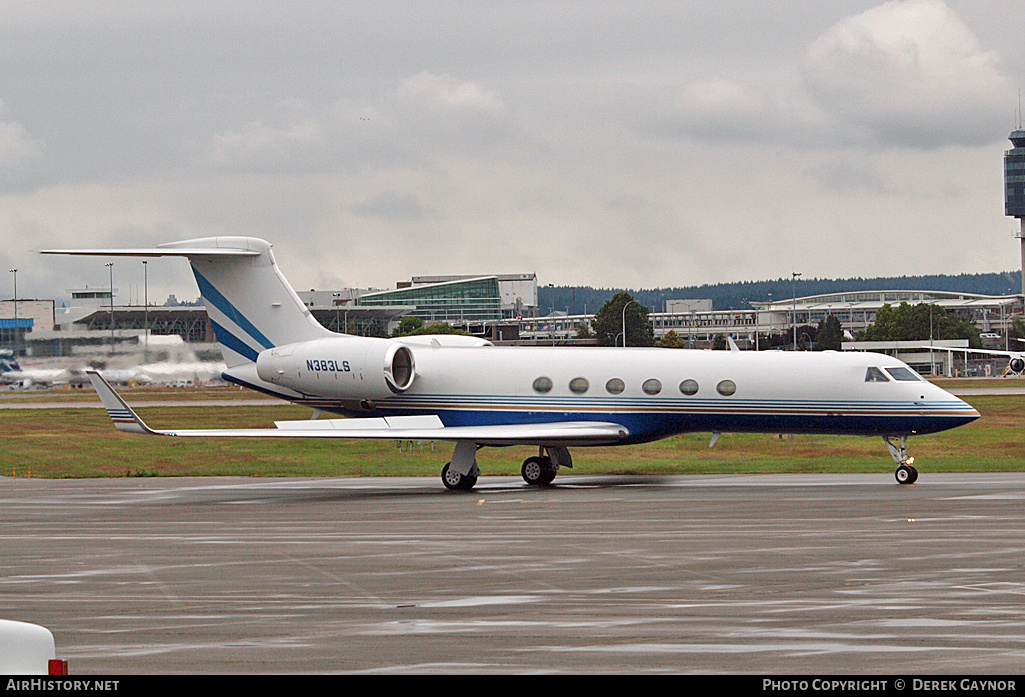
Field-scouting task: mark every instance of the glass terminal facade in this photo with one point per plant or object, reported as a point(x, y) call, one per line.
point(472, 300)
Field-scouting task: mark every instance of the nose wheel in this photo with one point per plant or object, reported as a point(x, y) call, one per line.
point(906, 472)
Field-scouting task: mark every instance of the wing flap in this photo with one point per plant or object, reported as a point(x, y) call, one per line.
point(392, 422)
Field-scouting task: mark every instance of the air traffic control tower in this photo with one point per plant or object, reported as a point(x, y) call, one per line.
point(1014, 189)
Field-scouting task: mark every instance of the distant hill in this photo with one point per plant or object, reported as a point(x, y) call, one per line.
point(729, 296)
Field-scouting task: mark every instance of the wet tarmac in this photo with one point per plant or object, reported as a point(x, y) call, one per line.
point(770, 574)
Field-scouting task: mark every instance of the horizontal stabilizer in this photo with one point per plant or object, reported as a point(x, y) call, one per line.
point(154, 252)
point(207, 247)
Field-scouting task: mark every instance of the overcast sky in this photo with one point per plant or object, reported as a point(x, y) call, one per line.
point(637, 144)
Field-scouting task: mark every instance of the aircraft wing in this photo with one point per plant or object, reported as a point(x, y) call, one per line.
point(426, 427)
point(962, 350)
point(1015, 359)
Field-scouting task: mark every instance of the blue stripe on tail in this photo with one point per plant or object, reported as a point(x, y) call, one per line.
point(229, 340)
point(214, 297)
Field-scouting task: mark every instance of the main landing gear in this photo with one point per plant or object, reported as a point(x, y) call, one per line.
point(459, 482)
point(541, 469)
point(538, 471)
point(461, 473)
point(906, 472)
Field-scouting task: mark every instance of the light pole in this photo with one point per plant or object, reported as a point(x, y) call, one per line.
point(758, 321)
point(932, 354)
point(15, 272)
point(110, 266)
point(145, 300)
point(793, 285)
point(629, 302)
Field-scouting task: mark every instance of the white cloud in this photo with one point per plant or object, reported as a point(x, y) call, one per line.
point(392, 206)
point(445, 94)
point(258, 146)
point(908, 73)
point(18, 149)
point(719, 109)
point(423, 113)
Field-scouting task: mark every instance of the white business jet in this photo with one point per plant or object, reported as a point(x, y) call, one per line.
point(469, 392)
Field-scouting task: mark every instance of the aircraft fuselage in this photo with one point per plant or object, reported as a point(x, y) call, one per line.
point(655, 393)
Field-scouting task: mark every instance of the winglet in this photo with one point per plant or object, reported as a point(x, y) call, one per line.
point(124, 418)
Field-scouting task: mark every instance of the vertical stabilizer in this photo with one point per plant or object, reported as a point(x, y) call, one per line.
point(250, 304)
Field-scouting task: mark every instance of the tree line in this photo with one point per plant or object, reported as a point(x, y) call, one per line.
point(737, 296)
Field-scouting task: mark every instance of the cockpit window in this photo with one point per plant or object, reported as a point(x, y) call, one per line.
point(875, 375)
point(903, 374)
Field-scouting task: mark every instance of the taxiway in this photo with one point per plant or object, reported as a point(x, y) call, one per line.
point(733, 574)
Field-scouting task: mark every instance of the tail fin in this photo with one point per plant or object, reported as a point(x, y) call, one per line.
point(250, 304)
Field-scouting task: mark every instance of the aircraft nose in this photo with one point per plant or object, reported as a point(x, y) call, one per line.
point(957, 410)
point(970, 412)
point(964, 412)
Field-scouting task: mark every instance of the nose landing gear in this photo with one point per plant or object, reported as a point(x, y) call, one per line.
point(906, 472)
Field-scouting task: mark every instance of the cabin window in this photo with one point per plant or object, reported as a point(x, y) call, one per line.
point(652, 386)
point(689, 387)
point(543, 385)
point(726, 388)
point(615, 386)
point(875, 375)
point(903, 374)
point(578, 385)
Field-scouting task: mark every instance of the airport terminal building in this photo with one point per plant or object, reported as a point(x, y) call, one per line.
point(698, 322)
point(462, 299)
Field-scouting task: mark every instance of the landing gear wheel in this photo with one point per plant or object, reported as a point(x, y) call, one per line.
point(906, 474)
point(538, 471)
point(550, 472)
point(458, 482)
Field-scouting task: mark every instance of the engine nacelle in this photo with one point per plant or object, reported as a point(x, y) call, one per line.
point(345, 368)
point(1017, 365)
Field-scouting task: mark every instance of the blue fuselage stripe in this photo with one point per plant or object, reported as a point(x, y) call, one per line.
point(655, 423)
